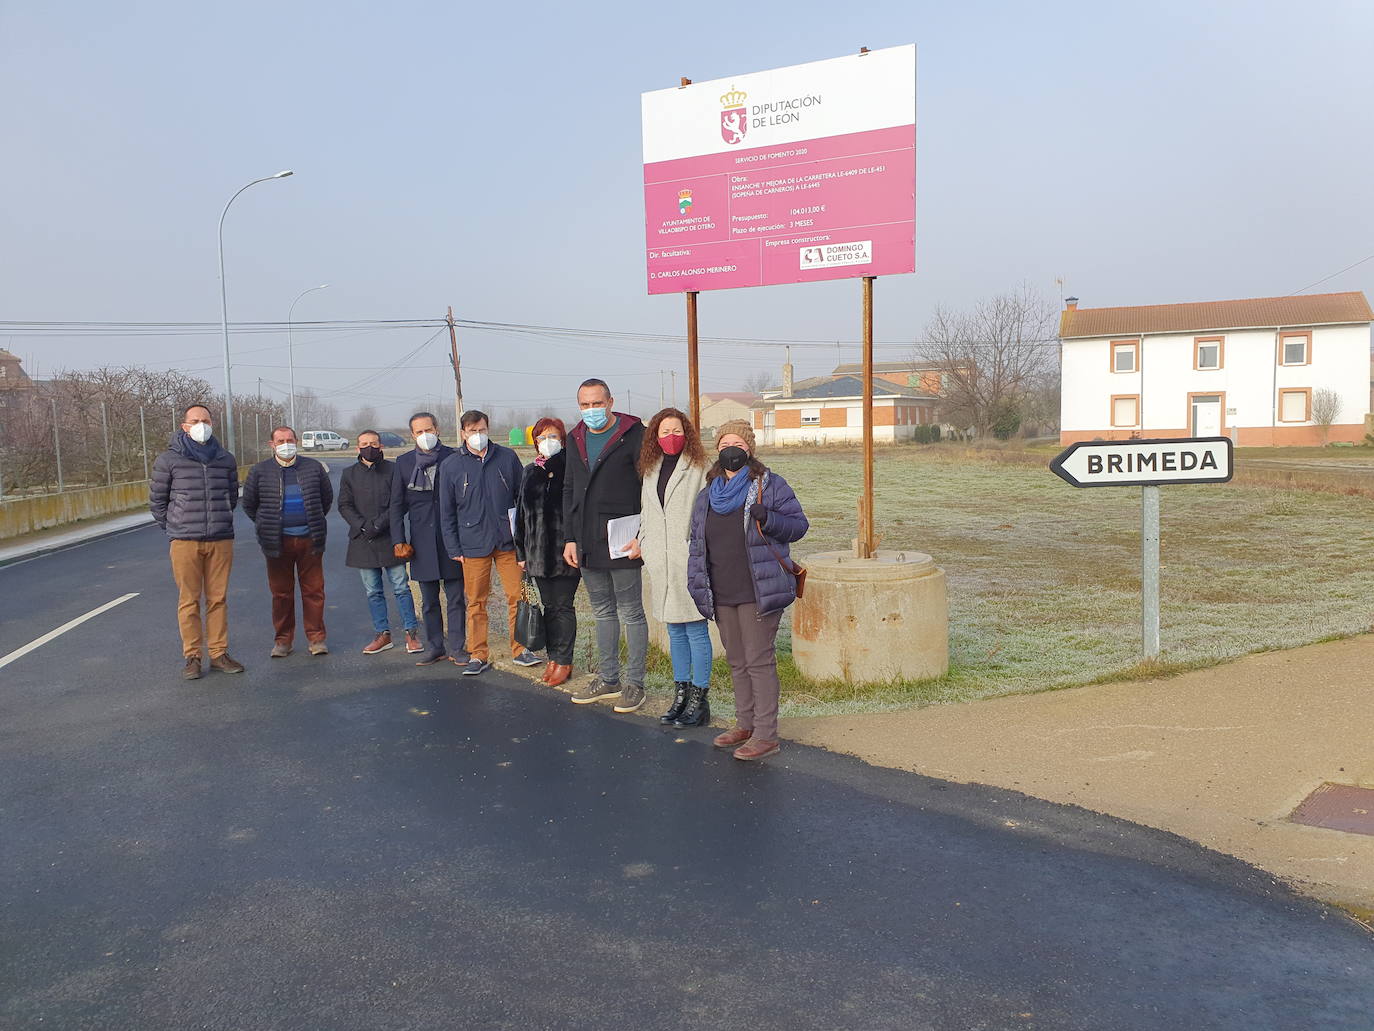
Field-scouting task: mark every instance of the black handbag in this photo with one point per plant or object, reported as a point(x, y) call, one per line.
point(529, 619)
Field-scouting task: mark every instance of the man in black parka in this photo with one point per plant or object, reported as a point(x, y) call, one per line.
point(192, 494)
point(365, 504)
point(602, 483)
point(288, 498)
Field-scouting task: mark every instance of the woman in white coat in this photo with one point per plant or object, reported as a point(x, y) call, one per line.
point(673, 465)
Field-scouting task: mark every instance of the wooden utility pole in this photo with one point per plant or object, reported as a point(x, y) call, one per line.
point(458, 408)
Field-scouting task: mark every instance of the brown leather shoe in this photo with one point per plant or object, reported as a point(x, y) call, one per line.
point(225, 664)
point(380, 643)
point(732, 738)
point(413, 645)
point(548, 668)
point(192, 668)
point(756, 748)
point(559, 675)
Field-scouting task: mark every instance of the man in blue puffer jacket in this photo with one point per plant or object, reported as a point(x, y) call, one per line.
point(477, 486)
point(192, 494)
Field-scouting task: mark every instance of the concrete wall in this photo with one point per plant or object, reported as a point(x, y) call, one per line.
point(1248, 380)
point(25, 515)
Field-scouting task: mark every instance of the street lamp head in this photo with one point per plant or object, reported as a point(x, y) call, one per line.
point(322, 286)
point(283, 175)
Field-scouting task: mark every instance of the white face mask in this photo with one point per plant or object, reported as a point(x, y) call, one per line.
point(201, 432)
point(550, 446)
point(285, 452)
point(427, 441)
point(477, 442)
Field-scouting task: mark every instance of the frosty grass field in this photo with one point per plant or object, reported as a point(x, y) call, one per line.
point(1044, 579)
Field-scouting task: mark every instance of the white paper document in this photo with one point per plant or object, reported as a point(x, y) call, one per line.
point(620, 532)
point(511, 515)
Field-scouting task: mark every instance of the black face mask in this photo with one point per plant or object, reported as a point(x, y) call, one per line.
point(370, 453)
point(733, 459)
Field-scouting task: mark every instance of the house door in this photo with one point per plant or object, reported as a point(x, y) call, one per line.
point(1207, 415)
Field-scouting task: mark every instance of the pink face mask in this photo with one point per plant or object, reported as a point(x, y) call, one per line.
point(672, 444)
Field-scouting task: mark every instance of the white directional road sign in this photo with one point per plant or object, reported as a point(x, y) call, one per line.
point(1135, 463)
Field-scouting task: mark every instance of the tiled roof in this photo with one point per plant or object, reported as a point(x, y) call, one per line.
point(844, 386)
point(744, 397)
point(1204, 316)
point(857, 369)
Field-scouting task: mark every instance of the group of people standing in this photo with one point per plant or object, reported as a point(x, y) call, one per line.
point(599, 506)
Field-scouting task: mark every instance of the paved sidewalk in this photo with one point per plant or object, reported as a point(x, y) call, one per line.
point(30, 545)
point(1221, 756)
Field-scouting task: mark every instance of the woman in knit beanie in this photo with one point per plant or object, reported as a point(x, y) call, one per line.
point(739, 573)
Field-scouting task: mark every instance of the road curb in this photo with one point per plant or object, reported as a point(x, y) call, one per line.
point(52, 549)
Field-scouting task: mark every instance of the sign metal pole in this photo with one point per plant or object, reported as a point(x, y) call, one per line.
point(1149, 571)
point(866, 536)
point(693, 369)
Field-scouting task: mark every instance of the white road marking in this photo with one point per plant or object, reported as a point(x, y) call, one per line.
point(19, 653)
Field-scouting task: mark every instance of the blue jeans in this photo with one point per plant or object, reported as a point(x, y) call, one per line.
point(376, 597)
point(689, 646)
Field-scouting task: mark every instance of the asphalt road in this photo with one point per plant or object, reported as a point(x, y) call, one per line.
point(352, 842)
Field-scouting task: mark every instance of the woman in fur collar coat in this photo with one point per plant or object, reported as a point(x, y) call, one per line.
point(539, 542)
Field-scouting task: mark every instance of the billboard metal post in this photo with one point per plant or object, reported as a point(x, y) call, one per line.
point(693, 369)
point(866, 542)
point(1149, 570)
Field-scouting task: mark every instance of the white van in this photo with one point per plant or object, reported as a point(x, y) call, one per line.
point(322, 440)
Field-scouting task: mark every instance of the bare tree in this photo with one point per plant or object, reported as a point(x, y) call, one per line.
point(995, 357)
point(314, 413)
point(758, 381)
point(365, 418)
point(1326, 409)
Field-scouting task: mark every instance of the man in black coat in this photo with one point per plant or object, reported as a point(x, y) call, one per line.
point(288, 499)
point(365, 504)
point(414, 495)
point(192, 494)
point(602, 483)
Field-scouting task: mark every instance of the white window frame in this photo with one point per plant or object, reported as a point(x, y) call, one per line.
point(1117, 399)
point(1215, 345)
point(1118, 346)
point(810, 416)
point(1286, 338)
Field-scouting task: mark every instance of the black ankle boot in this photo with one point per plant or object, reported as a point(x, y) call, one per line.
point(697, 711)
point(679, 703)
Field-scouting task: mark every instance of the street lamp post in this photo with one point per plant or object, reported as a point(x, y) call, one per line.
point(224, 313)
point(291, 351)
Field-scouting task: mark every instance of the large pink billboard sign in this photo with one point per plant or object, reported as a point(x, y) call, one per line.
point(786, 176)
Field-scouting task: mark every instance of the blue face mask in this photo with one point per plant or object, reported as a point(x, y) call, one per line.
point(595, 418)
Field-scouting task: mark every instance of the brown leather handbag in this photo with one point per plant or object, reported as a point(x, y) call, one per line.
point(404, 551)
point(794, 568)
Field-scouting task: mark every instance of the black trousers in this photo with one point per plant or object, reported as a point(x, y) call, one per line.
point(433, 617)
point(560, 618)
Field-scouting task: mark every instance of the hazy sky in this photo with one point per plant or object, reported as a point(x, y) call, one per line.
point(488, 156)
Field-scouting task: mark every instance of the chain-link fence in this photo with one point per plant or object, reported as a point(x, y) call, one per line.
point(93, 429)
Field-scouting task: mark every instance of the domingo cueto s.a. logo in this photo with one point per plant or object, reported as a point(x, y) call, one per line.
point(734, 118)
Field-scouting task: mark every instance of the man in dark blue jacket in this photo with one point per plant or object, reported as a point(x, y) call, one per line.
point(288, 498)
point(192, 494)
point(415, 497)
point(477, 488)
